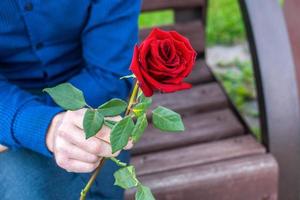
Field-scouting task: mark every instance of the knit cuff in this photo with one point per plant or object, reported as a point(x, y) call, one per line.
point(31, 124)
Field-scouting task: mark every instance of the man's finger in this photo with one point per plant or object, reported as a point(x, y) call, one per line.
point(104, 134)
point(2, 148)
point(77, 166)
point(74, 152)
point(93, 145)
point(78, 117)
point(129, 145)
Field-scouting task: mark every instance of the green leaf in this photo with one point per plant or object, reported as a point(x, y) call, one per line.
point(143, 193)
point(140, 93)
point(140, 127)
point(143, 99)
point(126, 178)
point(140, 108)
point(109, 123)
point(67, 96)
point(120, 134)
point(92, 122)
point(167, 120)
point(128, 76)
point(113, 107)
point(143, 105)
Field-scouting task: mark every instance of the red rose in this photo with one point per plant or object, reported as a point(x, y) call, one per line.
point(162, 61)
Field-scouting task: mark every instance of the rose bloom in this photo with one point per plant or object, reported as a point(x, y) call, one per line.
point(162, 62)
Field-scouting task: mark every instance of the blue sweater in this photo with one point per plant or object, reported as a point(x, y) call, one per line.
point(88, 43)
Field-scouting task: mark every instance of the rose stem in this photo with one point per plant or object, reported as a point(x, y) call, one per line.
point(96, 172)
point(91, 181)
point(132, 98)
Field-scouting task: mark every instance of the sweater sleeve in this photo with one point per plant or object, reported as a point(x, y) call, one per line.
point(24, 119)
point(108, 41)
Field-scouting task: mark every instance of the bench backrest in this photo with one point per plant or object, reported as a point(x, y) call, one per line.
point(273, 68)
point(291, 11)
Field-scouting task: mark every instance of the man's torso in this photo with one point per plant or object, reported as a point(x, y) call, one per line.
point(40, 40)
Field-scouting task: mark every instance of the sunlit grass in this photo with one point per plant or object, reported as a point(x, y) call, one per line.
point(224, 22)
point(157, 18)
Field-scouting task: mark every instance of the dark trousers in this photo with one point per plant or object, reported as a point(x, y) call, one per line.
point(25, 175)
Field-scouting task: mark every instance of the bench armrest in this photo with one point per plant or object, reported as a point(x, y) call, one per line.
point(277, 89)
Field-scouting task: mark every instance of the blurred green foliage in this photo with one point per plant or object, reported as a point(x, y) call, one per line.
point(238, 80)
point(224, 22)
point(156, 18)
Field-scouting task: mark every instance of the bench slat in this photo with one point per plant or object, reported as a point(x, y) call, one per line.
point(200, 98)
point(192, 30)
point(246, 178)
point(175, 4)
point(199, 128)
point(197, 154)
point(200, 74)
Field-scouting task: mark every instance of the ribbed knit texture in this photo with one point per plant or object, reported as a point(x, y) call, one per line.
point(30, 122)
point(44, 43)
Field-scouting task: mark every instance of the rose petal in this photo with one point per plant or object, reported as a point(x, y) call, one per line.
point(188, 45)
point(158, 34)
point(163, 70)
point(188, 57)
point(155, 55)
point(174, 62)
point(167, 88)
point(156, 64)
point(136, 68)
point(164, 50)
point(167, 49)
point(144, 52)
point(164, 59)
point(181, 38)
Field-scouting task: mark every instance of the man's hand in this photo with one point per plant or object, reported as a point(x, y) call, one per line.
point(66, 139)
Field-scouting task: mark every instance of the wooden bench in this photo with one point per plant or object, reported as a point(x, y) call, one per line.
point(291, 11)
point(217, 158)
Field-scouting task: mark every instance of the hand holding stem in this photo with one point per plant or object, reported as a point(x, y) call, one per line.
point(132, 99)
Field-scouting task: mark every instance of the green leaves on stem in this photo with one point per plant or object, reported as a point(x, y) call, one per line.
point(140, 127)
point(110, 123)
point(120, 133)
point(123, 130)
point(70, 98)
point(143, 99)
point(92, 122)
point(126, 179)
point(143, 193)
point(67, 96)
point(113, 107)
point(134, 125)
point(142, 106)
point(167, 120)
